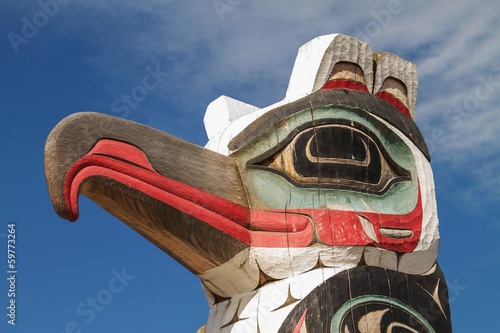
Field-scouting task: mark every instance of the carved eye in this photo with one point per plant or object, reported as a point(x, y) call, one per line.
point(337, 155)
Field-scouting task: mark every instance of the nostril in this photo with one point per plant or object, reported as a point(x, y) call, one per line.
point(396, 233)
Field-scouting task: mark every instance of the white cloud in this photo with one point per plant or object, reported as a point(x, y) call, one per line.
point(250, 52)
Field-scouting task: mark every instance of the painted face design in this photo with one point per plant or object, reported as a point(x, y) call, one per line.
point(330, 186)
point(346, 169)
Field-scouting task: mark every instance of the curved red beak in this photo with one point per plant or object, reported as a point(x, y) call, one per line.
point(168, 190)
point(187, 200)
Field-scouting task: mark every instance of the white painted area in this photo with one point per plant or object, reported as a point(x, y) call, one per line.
point(368, 228)
point(313, 65)
point(222, 112)
point(315, 61)
point(260, 310)
point(381, 258)
point(219, 141)
point(425, 254)
point(241, 273)
point(238, 275)
point(263, 307)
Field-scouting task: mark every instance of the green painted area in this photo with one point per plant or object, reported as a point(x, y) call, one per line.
point(360, 301)
point(272, 191)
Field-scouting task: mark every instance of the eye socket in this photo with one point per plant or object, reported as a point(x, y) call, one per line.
point(344, 155)
point(336, 152)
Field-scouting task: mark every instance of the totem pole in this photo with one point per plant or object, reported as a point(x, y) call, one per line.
point(315, 214)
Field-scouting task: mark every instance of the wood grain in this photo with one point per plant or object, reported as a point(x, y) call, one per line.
point(342, 97)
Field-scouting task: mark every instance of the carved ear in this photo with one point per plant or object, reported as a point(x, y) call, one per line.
point(325, 63)
point(343, 62)
point(346, 75)
point(396, 82)
point(331, 60)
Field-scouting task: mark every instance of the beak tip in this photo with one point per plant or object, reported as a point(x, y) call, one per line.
point(64, 213)
point(63, 147)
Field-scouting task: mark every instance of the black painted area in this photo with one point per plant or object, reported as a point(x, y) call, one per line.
point(335, 153)
point(392, 301)
point(346, 146)
point(342, 97)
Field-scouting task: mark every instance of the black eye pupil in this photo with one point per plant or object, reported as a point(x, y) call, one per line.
point(337, 152)
point(336, 142)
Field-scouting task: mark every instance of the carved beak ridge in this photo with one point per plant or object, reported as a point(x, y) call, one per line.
point(185, 199)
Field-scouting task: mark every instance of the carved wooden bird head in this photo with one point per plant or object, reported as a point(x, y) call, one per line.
point(335, 176)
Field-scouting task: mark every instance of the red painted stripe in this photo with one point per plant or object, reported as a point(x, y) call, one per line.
point(184, 205)
point(343, 228)
point(285, 230)
point(300, 323)
point(228, 209)
point(344, 84)
point(278, 221)
point(394, 101)
point(122, 150)
point(270, 228)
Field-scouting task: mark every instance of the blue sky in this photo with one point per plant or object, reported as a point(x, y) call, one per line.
point(83, 55)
